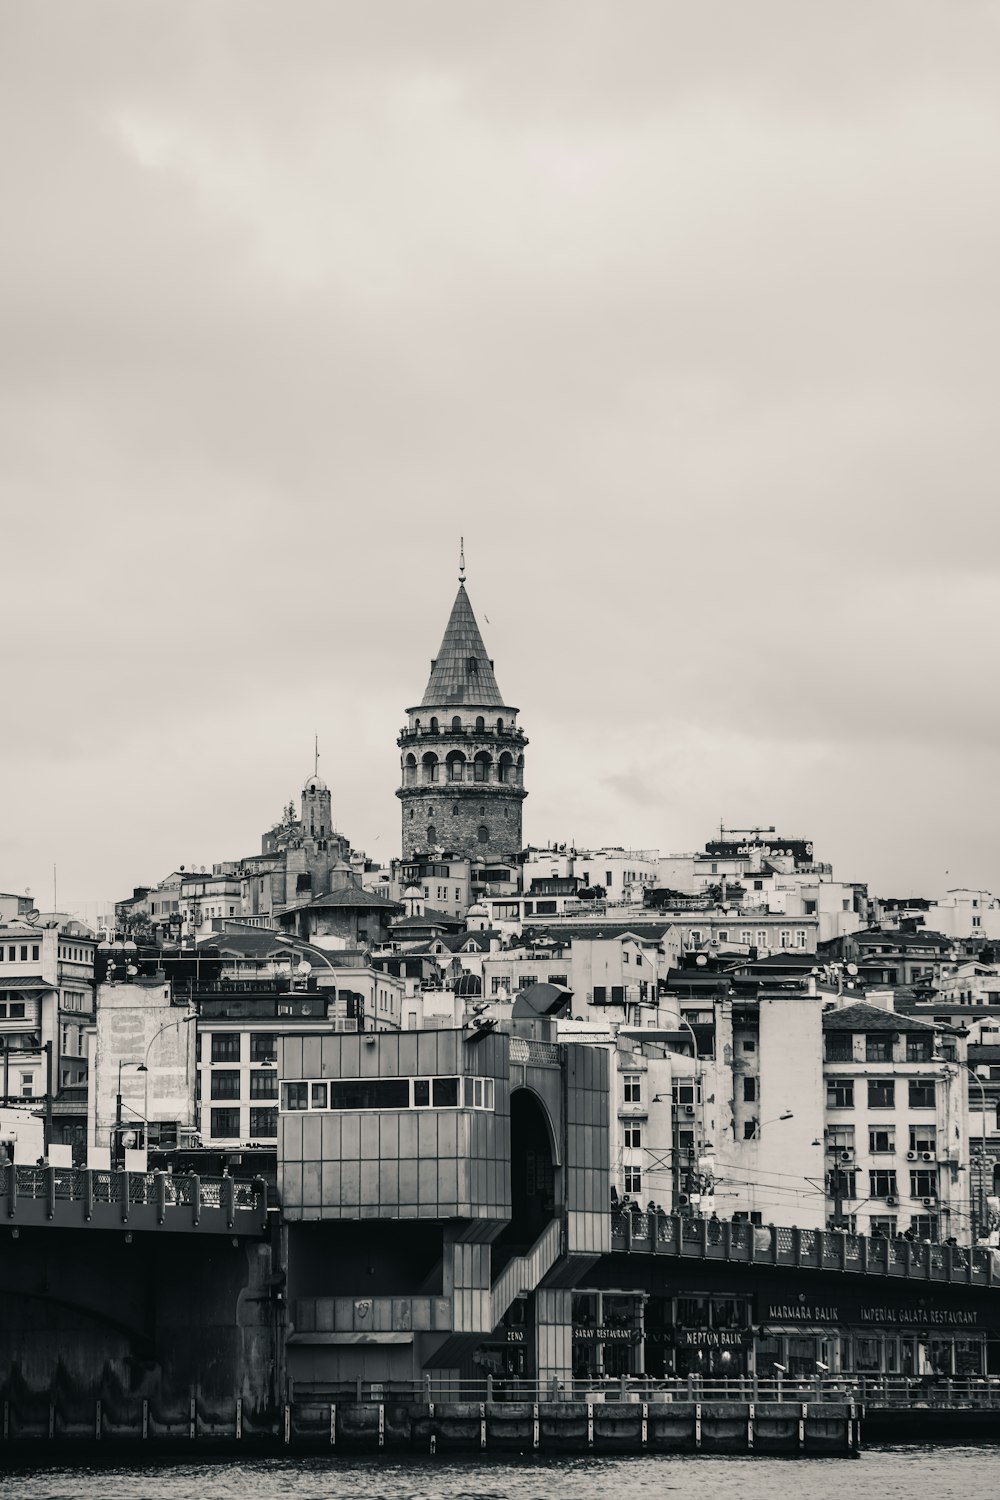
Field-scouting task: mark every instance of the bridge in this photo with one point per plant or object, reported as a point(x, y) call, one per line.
point(68, 1198)
point(652, 1233)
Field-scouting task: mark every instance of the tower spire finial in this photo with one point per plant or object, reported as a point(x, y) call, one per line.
point(316, 758)
point(461, 560)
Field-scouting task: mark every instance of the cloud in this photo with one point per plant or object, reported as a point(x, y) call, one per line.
point(683, 316)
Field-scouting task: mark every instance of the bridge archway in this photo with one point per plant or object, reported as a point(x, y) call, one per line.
point(535, 1172)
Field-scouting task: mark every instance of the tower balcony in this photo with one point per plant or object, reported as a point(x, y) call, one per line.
point(512, 735)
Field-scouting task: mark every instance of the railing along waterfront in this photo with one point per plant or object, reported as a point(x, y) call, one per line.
point(652, 1232)
point(938, 1392)
point(71, 1195)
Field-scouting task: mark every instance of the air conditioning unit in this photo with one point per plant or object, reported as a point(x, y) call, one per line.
point(911, 1156)
point(928, 1202)
point(892, 1202)
point(846, 1155)
point(927, 1156)
point(689, 1109)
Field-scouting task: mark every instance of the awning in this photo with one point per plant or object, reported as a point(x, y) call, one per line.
point(351, 1338)
point(29, 986)
point(802, 1330)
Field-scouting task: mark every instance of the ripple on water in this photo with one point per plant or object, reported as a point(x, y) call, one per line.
point(943, 1473)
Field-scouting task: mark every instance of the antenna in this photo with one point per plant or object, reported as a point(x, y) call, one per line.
point(316, 758)
point(461, 560)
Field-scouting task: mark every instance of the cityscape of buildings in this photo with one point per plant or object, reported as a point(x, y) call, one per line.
point(756, 1039)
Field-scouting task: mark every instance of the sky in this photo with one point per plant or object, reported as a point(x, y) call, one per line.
point(685, 316)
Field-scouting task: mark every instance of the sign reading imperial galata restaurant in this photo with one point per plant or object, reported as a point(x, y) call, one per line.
point(913, 1316)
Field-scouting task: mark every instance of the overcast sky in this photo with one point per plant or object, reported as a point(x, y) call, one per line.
point(686, 315)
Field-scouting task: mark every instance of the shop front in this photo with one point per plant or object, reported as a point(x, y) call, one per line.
point(857, 1337)
point(707, 1334)
point(607, 1334)
point(507, 1354)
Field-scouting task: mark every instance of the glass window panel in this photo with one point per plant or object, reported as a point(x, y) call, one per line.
point(318, 1096)
point(445, 1093)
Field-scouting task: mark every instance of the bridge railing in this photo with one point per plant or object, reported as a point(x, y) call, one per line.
point(71, 1194)
point(652, 1232)
point(870, 1390)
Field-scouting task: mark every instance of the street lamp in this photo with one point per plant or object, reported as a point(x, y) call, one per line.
point(788, 1115)
point(143, 1067)
point(980, 1211)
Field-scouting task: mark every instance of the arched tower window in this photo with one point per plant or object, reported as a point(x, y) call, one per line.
point(505, 767)
point(434, 726)
point(456, 724)
point(482, 764)
point(430, 766)
point(410, 770)
point(456, 765)
point(480, 725)
point(520, 770)
point(499, 726)
point(432, 834)
point(483, 834)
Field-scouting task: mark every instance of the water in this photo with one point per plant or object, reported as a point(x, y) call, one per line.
point(944, 1473)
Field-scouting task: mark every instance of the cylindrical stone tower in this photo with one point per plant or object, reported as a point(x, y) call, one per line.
point(462, 754)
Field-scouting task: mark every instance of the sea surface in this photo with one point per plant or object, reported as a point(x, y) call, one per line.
point(939, 1473)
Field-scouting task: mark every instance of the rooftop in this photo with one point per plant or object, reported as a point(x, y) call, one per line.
point(462, 672)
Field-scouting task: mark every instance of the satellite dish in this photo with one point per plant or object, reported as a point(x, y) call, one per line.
point(852, 969)
point(305, 967)
point(32, 916)
point(701, 960)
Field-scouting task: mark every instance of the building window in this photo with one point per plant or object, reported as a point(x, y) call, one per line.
point(633, 1181)
point(882, 1226)
point(27, 1085)
point(263, 1047)
point(840, 1093)
point(921, 1093)
point(840, 1138)
point(263, 1124)
point(600, 994)
point(263, 1083)
point(225, 1046)
point(923, 1183)
point(839, 1046)
point(919, 1048)
point(923, 1138)
point(633, 1137)
point(749, 1130)
point(225, 1124)
point(749, 1045)
point(226, 1083)
point(882, 1142)
point(800, 938)
point(632, 1088)
point(749, 1090)
point(296, 1096)
point(924, 1226)
point(882, 1183)
point(878, 1046)
point(881, 1093)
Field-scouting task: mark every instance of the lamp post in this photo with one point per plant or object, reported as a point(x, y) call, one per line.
point(979, 1211)
point(143, 1067)
point(788, 1115)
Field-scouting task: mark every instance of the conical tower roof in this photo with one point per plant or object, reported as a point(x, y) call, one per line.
point(462, 672)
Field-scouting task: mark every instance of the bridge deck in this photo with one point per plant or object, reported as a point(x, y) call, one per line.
point(803, 1249)
point(67, 1198)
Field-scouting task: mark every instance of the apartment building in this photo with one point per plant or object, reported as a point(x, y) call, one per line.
point(896, 1137)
